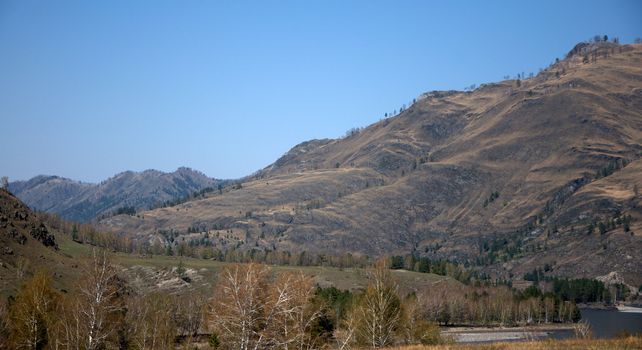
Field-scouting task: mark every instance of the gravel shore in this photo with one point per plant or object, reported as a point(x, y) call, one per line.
point(486, 334)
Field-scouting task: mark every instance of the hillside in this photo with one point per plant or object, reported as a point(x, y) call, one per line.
point(510, 176)
point(80, 201)
point(28, 245)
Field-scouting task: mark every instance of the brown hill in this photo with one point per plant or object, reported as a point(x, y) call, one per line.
point(28, 245)
point(510, 176)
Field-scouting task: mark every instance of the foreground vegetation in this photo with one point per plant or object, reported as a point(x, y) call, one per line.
point(252, 306)
point(624, 343)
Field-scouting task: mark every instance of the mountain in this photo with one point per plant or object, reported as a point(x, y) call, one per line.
point(512, 176)
point(80, 201)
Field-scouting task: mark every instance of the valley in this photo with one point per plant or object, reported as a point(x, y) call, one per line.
point(503, 212)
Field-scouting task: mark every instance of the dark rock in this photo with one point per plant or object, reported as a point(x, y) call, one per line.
point(7, 251)
point(18, 237)
point(21, 215)
point(42, 234)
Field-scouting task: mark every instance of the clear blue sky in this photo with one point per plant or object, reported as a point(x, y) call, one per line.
point(92, 88)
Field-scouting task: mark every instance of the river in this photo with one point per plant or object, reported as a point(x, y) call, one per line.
point(604, 324)
point(608, 323)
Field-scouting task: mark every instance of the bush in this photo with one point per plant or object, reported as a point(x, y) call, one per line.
point(214, 342)
point(427, 333)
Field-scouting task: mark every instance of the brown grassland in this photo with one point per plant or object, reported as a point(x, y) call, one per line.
point(632, 342)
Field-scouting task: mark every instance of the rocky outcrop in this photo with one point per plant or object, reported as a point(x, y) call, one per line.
point(41, 234)
point(16, 220)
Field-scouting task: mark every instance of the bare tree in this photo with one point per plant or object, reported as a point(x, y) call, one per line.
point(290, 314)
point(150, 321)
point(30, 316)
point(91, 318)
point(415, 326)
point(238, 305)
point(250, 310)
point(100, 291)
point(582, 329)
point(345, 335)
point(379, 310)
point(188, 314)
point(4, 182)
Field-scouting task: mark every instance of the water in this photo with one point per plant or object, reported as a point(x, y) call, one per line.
point(604, 324)
point(608, 323)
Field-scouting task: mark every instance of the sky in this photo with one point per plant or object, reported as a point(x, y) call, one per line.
point(92, 88)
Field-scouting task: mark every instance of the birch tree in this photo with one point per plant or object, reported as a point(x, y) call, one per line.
point(91, 317)
point(253, 310)
point(30, 316)
point(238, 305)
point(379, 309)
point(150, 321)
point(290, 312)
point(100, 291)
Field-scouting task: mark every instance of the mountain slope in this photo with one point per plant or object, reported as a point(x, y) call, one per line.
point(83, 201)
point(28, 245)
point(511, 176)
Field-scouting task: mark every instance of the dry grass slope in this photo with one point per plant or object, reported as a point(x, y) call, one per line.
point(629, 343)
point(422, 181)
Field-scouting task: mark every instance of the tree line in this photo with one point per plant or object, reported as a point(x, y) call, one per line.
point(250, 307)
point(87, 234)
point(253, 307)
point(575, 290)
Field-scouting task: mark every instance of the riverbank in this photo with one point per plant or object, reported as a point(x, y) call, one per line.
point(618, 307)
point(493, 334)
point(628, 343)
point(630, 309)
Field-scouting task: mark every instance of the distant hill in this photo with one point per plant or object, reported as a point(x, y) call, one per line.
point(126, 191)
point(512, 176)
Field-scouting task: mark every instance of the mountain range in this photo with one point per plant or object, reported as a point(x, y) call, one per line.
point(125, 192)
